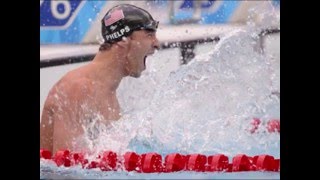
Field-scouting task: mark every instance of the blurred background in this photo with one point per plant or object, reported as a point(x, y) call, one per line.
point(78, 22)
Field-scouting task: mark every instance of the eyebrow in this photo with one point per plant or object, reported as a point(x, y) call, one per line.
point(149, 30)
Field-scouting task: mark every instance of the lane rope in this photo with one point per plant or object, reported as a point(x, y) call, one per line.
point(153, 162)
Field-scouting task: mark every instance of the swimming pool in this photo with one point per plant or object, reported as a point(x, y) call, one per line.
point(202, 107)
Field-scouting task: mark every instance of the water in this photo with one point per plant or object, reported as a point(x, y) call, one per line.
point(53, 172)
point(206, 105)
point(203, 107)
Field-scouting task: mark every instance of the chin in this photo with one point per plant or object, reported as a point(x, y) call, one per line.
point(135, 75)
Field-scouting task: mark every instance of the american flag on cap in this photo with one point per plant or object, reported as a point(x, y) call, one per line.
point(113, 17)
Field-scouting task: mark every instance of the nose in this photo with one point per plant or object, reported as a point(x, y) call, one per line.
point(156, 44)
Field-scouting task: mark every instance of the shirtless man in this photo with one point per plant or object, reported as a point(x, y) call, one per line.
point(89, 92)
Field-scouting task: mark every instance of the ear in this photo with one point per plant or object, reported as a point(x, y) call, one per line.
point(124, 43)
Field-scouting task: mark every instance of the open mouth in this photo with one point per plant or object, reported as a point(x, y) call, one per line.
point(145, 57)
point(144, 60)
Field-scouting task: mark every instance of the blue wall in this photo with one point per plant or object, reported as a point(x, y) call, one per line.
point(68, 21)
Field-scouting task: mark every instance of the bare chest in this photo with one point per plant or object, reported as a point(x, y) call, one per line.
point(104, 104)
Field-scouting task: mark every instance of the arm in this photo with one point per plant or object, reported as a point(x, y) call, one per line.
point(46, 126)
point(67, 127)
point(56, 121)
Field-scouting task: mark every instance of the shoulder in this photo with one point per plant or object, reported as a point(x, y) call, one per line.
point(75, 80)
point(70, 87)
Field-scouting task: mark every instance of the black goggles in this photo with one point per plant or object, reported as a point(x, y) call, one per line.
point(153, 25)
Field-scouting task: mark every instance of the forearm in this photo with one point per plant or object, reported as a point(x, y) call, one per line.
point(46, 133)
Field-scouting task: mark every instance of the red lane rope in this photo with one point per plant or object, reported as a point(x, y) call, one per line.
point(154, 163)
point(273, 125)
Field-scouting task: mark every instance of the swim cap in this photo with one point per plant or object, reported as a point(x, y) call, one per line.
point(121, 20)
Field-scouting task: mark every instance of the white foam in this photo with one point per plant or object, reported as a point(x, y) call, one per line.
point(205, 106)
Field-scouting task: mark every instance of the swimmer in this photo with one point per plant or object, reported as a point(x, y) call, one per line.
point(89, 92)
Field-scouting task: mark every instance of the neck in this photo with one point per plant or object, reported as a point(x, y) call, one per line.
point(109, 68)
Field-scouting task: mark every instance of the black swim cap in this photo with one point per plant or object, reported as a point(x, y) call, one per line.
point(121, 20)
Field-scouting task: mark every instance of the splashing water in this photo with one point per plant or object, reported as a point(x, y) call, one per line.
point(203, 107)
